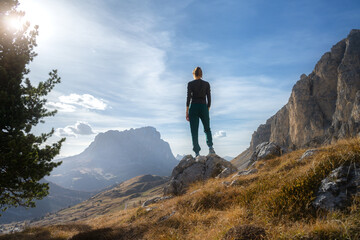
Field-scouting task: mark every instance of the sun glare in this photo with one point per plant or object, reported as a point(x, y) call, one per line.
point(15, 23)
point(36, 14)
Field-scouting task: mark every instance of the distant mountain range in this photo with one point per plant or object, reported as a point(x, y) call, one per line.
point(57, 199)
point(180, 156)
point(116, 156)
point(228, 158)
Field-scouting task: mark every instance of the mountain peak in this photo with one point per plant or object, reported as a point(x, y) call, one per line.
point(115, 156)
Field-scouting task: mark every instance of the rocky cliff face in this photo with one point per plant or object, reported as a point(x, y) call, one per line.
point(323, 106)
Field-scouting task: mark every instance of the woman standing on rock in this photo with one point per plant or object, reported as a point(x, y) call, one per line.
point(197, 108)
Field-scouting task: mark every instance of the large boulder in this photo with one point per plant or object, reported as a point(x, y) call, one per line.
point(191, 169)
point(337, 189)
point(264, 150)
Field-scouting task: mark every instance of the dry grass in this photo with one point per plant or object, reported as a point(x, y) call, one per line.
point(276, 199)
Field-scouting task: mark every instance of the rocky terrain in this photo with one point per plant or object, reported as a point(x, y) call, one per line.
point(114, 157)
point(323, 107)
point(304, 194)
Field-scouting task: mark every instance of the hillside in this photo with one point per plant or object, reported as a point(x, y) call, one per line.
point(114, 157)
point(129, 194)
point(323, 107)
point(57, 199)
point(275, 201)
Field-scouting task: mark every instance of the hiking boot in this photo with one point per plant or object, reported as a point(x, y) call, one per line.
point(211, 150)
point(197, 154)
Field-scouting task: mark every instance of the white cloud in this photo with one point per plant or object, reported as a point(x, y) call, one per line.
point(64, 132)
point(220, 134)
point(61, 107)
point(86, 100)
point(74, 102)
point(80, 128)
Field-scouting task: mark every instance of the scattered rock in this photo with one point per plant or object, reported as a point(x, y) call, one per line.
point(245, 232)
point(150, 209)
point(155, 199)
point(226, 183)
point(337, 189)
point(308, 153)
point(191, 169)
point(150, 201)
point(193, 192)
point(245, 172)
point(163, 218)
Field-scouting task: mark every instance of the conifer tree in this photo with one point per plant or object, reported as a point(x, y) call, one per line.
point(24, 157)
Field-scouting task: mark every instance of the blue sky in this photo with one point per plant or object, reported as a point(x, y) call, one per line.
point(126, 64)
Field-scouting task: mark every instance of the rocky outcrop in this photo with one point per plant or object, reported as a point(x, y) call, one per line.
point(191, 169)
point(323, 106)
point(266, 150)
point(337, 189)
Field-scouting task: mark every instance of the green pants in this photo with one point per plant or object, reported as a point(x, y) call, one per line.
point(199, 111)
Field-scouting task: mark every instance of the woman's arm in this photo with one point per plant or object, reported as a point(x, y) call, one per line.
point(187, 114)
point(208, 95)
point(188, 97)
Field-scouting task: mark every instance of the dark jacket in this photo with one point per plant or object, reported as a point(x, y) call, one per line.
point(197, 91)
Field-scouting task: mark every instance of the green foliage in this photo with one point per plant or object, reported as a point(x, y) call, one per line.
point(24, 158)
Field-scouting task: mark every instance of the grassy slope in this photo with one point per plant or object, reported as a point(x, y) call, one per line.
point(277, 198)
point(129, 194)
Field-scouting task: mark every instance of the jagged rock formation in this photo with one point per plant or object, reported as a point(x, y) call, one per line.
point(337, 189)
point(191, 169)
point(114, 157)
point(323, 106)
